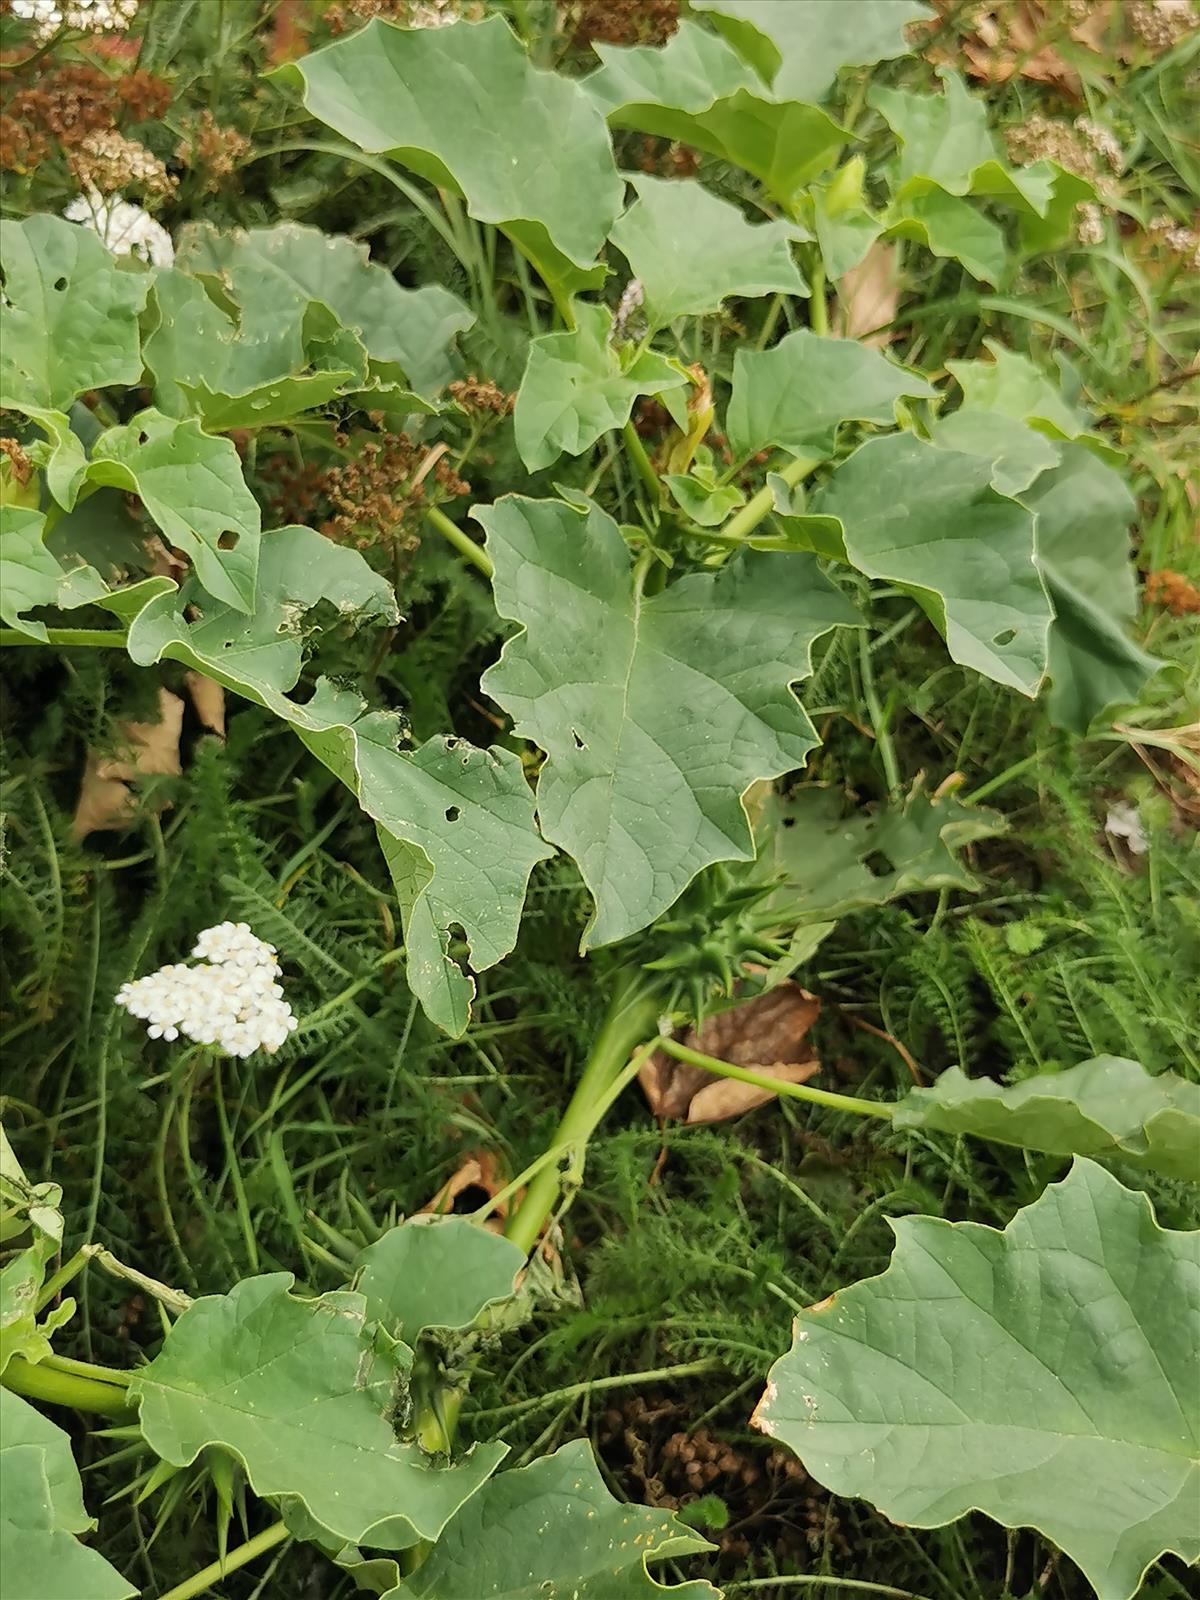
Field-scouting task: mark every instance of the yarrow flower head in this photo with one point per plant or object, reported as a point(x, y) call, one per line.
point(89, 16)
point(125, 228)
point(229, 999)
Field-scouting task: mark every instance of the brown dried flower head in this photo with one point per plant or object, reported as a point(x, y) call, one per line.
point(109, 162)
point(212, 150)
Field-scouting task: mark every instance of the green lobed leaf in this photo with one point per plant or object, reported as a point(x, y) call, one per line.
point(192, 485)
point(930, 521)
point(295, 1390)
point(1106, 1107)
point(464, 108)
point(577, 386)
point(278, 274)
point(822, 853)
point(698, 90)
point(456, 823)
point(656, 712)
point(844, 224)
point(1048, 1375)
point(948, 226)
point(552, 1528)
point(29, 574)
point(41, 1511)
point(691, 251)
point(70, 315)
point(435, 1272)
point(1010, 384)
point(707, 505)
point(1018, 453)
point(800, 47)
point(797, 393)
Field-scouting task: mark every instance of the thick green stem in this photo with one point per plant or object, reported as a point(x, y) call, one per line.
point(65, 1274)
point(462, 542)
point(744, 522)
point(790, 1091)
point(41, 1382)
point(632, 1016)
point(637, 454)
point(818, 309)
point(883, 738)
point(92, 638)
point(87, 1369)
point(203, 1580)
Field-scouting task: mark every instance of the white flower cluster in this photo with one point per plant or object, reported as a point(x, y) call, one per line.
point(125, 228)
point(230, 999)
point(89, 16)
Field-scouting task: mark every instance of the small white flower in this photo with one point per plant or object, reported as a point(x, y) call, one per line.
point(88, 16)
point(229, 999)
point(125, 228)
point(1123, 822)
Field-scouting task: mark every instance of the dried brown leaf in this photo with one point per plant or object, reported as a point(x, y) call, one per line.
point(868, 296)
point(150, 749)
point(478, 1170)
point(209, 700)
point(766, 1034)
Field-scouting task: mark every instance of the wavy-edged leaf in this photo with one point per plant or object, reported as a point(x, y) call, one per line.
point(656, 712)
point(821, 852)
point(1010, 384)
point(1018, 453)
point(796, 394)
point(1048, 1375)
point(456, 823)
point(800, 47)
point(947, 226)
point(435, 1272)
point(29, 574)
point(930, 521)
point(295, 1390)
point(577, 385)
point(706, 504)
point(192, 485)
point(42, 1500)
point(60, 454)
point(276, 274)
point(464, 108)
point(691, 251)
point(1109, 1106)
point(552, 1528)
point(697, 89)
point(70, 315)
point(844, 224)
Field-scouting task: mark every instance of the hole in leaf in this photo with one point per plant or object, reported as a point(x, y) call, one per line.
point(452, 813)
point(452, 742)
point(1006, 636)
point(789, 822)
point(877, 864)
point(228, 541)
point(579, 744)
point(60, 284)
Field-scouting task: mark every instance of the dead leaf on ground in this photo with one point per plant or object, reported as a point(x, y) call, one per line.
point(152, 750)
point(766, 1034)
point(209, 700)
point(479, 1170)
point(868, 296)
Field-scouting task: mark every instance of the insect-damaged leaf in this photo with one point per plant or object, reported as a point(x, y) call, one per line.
point(577, 386)
point(656, 712)
point(796, 394)
point(1048, 1375)
point(463, 107)
point(294, 1389)
point(41, 1497)
point(722, 254)
point(455, 823)
point(435, 1272)
point(1106, 1107)
point(552, 1528)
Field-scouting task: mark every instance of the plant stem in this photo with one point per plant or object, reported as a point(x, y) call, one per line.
point(1001, 778)
point(637, 454)
point(216, 1570)
point(93, 638)
point(632, 1015)
point(64, 1276)
point(818, 310)
point(790, 1091)
point(87, 1369)
point(744, 522)
point(40, 1382)
point(883, 738)
point(617, 1380)
point(462, 542)
point(812, 1580)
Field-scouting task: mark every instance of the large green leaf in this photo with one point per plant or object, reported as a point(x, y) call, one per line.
point(1010, 384)
point(948, 226)
point(1018, 454)
point(41, 1497)
point(656, 712)
point(296, 1391)
point(275, 275)
point(455, 823)
point(799, 47)
point(192, 485)
point(578, 385)
point(29, 574)
point(796, 394)
point(1109, 1106)
point(551, 1529)
point(690, 251)
point(1048, 1375)
point(435, 1272)
point(822, 853)
point(930, 521)
point(697, 89)
point(463, 107)
point(70, 315)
